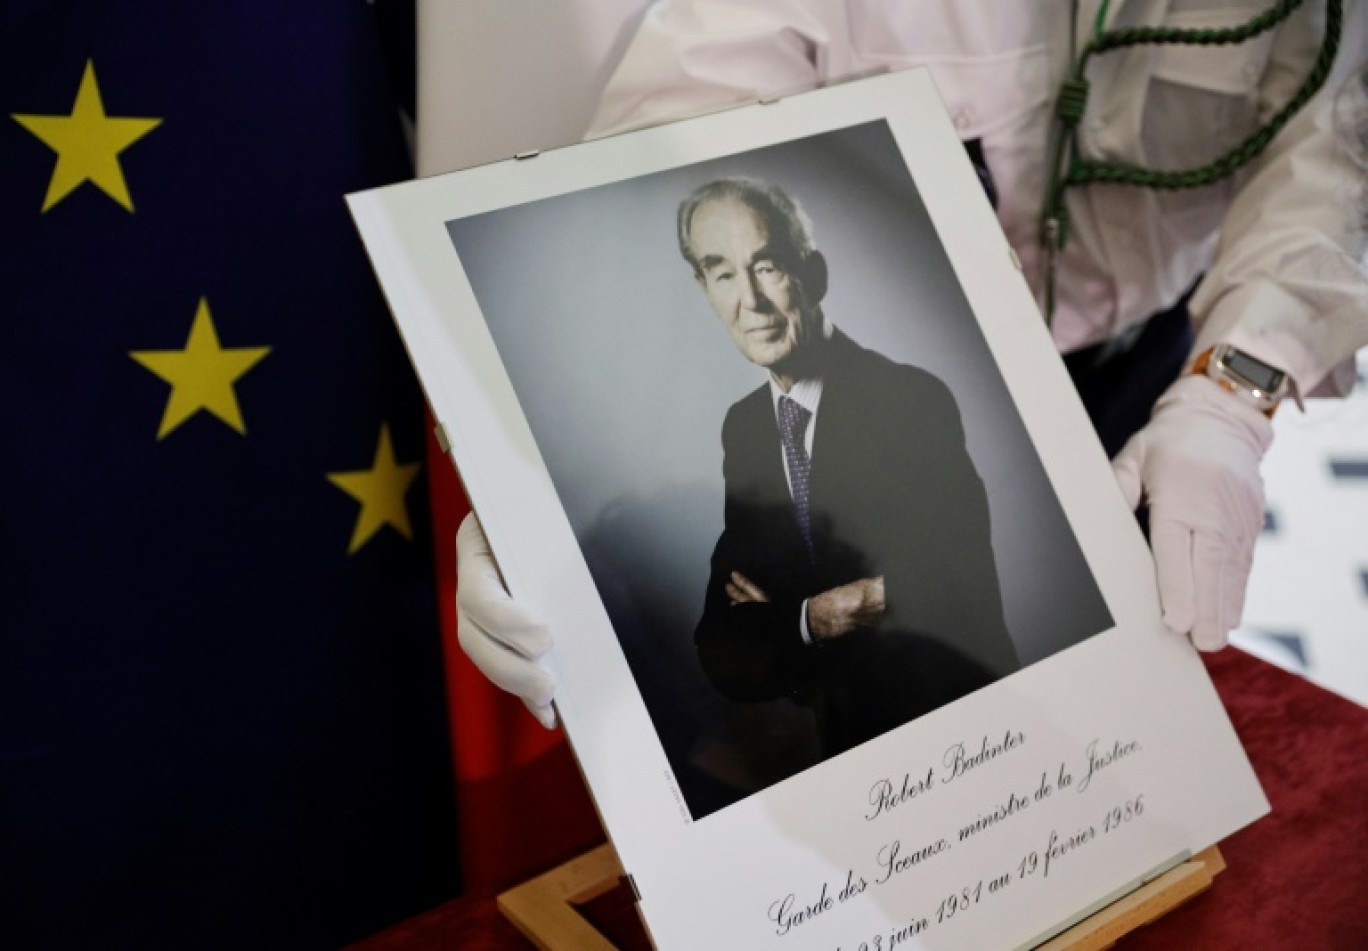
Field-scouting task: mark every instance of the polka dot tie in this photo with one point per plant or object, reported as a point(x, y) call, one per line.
point(793, 421)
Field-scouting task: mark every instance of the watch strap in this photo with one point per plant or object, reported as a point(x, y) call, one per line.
point(1202, 365)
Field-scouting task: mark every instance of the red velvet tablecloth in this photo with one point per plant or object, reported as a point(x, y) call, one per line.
point(1297, 878)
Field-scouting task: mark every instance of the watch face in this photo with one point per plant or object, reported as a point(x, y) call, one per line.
point(1259, 374)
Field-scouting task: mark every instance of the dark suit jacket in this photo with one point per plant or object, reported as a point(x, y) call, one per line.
point(892, 492)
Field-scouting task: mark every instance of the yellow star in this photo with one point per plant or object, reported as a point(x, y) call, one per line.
point(201, 375)
point(380, 490)
point(87, 144)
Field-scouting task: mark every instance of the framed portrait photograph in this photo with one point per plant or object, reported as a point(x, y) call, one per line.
point(857, 643)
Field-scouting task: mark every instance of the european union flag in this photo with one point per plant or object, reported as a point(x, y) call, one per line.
point(222, 720)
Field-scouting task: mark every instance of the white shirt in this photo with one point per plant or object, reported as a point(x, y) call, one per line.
point(1280, 243)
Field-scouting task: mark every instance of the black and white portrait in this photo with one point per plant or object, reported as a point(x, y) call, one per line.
point(797, 478)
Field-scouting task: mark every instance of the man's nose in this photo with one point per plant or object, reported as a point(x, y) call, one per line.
point(752, 295)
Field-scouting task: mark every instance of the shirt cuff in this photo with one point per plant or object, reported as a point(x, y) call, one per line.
point(802, 623)
point(1281, 329)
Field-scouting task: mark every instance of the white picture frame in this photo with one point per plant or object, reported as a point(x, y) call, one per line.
point(542, 322)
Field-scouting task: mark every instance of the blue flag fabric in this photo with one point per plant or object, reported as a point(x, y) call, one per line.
point(222, 721)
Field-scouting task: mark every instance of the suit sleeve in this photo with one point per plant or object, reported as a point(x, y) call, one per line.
point(752, 651)
point(941, 581)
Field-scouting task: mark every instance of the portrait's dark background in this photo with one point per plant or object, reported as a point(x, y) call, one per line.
point(625, 375)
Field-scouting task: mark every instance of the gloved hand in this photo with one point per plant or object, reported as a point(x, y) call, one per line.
point(1197, 463)
point(503, 639)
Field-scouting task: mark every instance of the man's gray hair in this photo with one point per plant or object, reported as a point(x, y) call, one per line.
point(788, 225)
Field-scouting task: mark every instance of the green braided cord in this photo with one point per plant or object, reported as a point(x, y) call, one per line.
point(1073, 99)
point(1073, 102)
point(1136, 36)
point(1100, 23)
point(1084, 172)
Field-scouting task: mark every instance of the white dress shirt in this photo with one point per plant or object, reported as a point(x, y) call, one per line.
point(1280, 243)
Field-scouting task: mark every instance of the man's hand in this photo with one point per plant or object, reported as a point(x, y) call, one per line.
point(838, 611)
point(742, 590)
point(1197, 463)
point(499, 635)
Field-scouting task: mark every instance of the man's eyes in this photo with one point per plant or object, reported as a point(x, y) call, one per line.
point(766, 271)
point(769, 272)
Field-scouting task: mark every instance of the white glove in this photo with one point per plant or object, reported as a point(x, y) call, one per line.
point(503, 639)
point(1197, 463)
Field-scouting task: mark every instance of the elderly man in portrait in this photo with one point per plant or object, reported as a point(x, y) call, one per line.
point(855, 570)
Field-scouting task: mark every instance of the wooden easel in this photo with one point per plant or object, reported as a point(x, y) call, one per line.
point(544, 909)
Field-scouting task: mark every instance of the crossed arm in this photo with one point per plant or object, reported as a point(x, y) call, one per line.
point(833, 613)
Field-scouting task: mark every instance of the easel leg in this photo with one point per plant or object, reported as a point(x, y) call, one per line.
point(544, 910)
point(1142, 906)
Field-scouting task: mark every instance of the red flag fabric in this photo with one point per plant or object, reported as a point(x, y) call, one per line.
point(522, 806)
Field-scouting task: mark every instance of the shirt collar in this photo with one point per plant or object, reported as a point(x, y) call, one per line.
point(806, 393)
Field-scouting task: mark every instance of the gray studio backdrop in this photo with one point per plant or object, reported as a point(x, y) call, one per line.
point(625, 375)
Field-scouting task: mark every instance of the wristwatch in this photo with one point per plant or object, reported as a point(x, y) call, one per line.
point(1249, 378)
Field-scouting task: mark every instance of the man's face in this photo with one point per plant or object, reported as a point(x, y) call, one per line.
point(749, 283)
